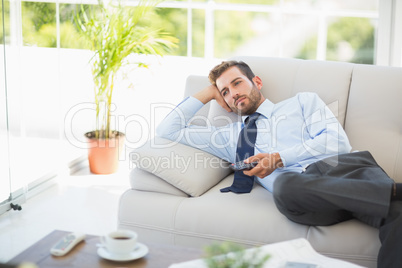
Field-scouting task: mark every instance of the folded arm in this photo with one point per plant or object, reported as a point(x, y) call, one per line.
point(176, 126)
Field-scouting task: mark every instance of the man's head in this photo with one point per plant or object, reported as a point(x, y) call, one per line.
point(238, 86)
point(217, 71)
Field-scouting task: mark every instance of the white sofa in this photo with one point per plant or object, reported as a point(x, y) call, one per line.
point(183, 206)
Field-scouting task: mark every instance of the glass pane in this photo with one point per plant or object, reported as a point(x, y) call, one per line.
point(69, 33)
point(5, 10)
point(299, 36)
point(174, 22)
point(34, 114)
point(245, 33)
point(334, 5)
point(351, 40)
point(4, 157)
point(352, 5)
point(309, 49)
point(198, 34)
point(39, 24)
point(259, 2)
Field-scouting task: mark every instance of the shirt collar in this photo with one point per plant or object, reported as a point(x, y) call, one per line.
point(265, 109)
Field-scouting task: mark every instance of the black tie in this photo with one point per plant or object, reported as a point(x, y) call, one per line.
point(245, 148)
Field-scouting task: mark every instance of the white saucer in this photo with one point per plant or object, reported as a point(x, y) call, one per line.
point(140, 251)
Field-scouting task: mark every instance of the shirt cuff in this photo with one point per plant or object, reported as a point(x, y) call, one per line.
point(288, 157)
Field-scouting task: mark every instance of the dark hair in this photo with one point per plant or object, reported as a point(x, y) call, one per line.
point(217, 71)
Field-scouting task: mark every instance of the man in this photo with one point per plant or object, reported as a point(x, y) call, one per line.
point(301, 152)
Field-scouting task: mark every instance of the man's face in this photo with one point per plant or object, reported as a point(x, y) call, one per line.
point(242, 95)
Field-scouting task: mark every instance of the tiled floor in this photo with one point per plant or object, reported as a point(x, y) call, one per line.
point(82, 202)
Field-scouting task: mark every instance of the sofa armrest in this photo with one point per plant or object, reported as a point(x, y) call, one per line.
point(144, 181)
point(191, 170)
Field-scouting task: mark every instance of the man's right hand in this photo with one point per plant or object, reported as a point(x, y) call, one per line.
point(209, 93)
point(267, 163)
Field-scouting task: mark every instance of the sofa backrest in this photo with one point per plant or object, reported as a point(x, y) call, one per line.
point(365, 99)
point(374, 115)
point(284, 78)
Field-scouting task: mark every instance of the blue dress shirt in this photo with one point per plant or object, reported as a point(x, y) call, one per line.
point(301, 129)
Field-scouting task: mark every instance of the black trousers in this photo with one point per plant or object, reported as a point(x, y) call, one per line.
point(341, 188)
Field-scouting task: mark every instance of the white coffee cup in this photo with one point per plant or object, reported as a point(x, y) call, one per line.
point(120, 242)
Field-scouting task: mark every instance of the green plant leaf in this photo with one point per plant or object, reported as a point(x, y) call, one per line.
point(231, 255)
point(115, 32)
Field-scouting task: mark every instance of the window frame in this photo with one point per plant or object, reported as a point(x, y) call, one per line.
point(388, 46)
point(388, 41)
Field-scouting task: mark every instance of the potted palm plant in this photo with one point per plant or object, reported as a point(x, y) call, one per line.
point(114, 32)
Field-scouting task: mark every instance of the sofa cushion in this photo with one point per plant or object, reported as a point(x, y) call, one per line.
point(247, 219)
point(191, 170)
point(339, 241)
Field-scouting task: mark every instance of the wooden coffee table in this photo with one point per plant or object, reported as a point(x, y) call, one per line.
point(85, 254)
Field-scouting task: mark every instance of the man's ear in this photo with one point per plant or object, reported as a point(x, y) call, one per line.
point(257, 82)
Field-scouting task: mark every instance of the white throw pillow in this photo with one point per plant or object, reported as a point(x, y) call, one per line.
point(191, 170)
point(142, 180)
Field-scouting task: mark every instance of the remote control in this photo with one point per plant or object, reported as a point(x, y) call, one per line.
point(244, 166)
point(66, 244)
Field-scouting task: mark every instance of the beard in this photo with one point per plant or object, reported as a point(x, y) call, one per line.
point(254, 99)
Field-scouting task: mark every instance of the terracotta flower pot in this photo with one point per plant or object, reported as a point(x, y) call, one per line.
point(103, 154)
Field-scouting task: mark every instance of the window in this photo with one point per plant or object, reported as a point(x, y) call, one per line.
point(325, 30)
point(32, 149)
